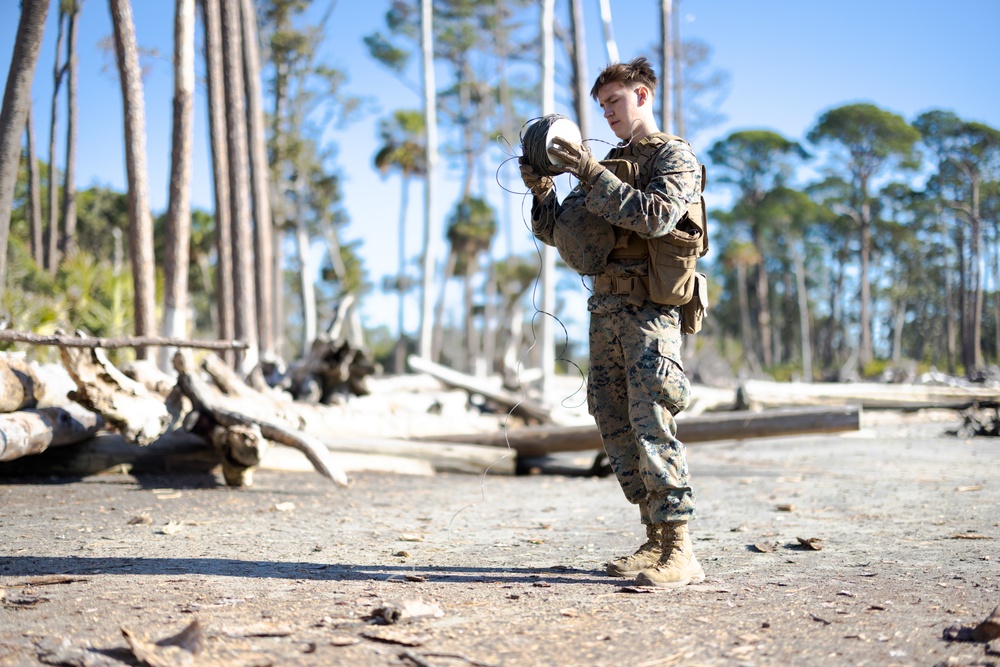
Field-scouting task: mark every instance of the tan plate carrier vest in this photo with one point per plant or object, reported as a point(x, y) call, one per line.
point(672, 277)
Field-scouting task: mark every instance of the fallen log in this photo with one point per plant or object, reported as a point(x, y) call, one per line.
point(210, 404)
point(519, 406)
point(443, 456)
point(175, 452)
point(33, 431)
point(758, 394)
point(62, 340)
point(540, 440)
point(20, 387)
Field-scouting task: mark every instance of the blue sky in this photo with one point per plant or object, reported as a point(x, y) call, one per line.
point(787, 62)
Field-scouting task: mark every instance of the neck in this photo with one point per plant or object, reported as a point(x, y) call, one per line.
point(644, 129)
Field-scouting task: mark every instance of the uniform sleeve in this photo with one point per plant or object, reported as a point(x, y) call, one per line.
point(674, 185)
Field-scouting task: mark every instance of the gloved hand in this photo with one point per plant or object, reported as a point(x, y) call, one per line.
point(539, 185)
point(577, 159)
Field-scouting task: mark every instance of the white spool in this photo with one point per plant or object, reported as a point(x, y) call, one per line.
point(563, 128)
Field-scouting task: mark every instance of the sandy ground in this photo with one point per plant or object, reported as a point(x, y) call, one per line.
point(509, 570)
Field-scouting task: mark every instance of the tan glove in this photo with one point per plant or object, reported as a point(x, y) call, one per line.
point(539, 185)
point(577, 159)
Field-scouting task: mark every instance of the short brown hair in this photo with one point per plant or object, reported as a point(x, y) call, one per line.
point(637, 71)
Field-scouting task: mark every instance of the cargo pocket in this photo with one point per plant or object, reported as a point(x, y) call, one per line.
point(676, 389)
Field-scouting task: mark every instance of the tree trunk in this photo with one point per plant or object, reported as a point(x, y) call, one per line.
point(430, 125)
point(244, 302)
point(399, 359)
point(309, 326)
point(140, 220)
point(35, 199)
point(449, 271)
point(581, 82)
point(805, 334)
point(666, 53)
point(749, 355)
point(548, 325)
point(14, 113)
point(260, 183)
point(52, 239)
point(68, 240)
point(220, 170)
point(609, 31)
point(678, 76)
point(866, 353)
point(178, 223)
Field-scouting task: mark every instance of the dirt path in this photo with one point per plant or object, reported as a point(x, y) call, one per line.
point(290, 571)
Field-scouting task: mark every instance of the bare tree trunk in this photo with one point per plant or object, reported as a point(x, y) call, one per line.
point(866, 353)
point(309, 327)
point(399, 360)
point(52, 239)
point(430, 124)
point(178, 224)
point(220, 171)
point(68, 240)
point(14, 113)
point(140, 220)
point(749, 355)
point(260, 184)
point(548, 325)
point(438, 340)
point(666, 53)
point(805, 334)
point(609, 31)
point(581, 82)
point(244, 304)
point(678, 53)
point(35, 200)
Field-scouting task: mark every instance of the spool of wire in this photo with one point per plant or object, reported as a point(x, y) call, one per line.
point(536, 140)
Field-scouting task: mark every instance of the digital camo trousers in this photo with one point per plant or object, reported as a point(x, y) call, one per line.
point(636, 385)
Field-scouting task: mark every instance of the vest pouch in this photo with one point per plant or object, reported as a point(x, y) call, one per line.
point(672, 260)
point(693, 312)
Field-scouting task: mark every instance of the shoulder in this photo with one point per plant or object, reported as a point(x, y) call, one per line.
point(676, 154)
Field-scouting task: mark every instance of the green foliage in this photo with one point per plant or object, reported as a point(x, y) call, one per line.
point(871, 136)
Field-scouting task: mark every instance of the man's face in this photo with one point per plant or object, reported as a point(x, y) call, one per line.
point(621, 108)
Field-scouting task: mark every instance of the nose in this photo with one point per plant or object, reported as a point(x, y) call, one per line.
point(607, 112)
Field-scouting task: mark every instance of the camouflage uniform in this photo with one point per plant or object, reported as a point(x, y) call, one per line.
point(636, 380)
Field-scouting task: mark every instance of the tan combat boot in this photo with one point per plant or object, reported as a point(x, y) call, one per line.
point(645, 557)
point(678, 565)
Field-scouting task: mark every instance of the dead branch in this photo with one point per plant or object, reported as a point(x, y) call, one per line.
point(9, 335)
point(211, 404)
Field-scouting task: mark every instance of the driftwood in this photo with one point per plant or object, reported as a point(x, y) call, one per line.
point(20, 387)
point(332, 370)
point(33, 431)
point(540, 440)
point(756, 394)
point(519, 406)
point(8, 335)
point(140, 415)
point(212, 405)
point(443, 456)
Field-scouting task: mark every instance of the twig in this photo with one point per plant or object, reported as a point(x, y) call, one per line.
point(457, 656)
point(8, 335)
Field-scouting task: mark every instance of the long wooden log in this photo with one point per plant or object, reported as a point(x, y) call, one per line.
point(209, 402)
point(540, 440)
point(9, 335)
point(761, 394)
point(518, 406)
point(33, 431)
point(443, 456)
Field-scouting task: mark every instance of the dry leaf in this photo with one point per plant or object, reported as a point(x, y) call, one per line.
point(173, 651)
point(811, 544)
point(765, 547)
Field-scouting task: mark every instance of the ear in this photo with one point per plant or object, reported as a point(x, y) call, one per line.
point(642, 95)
